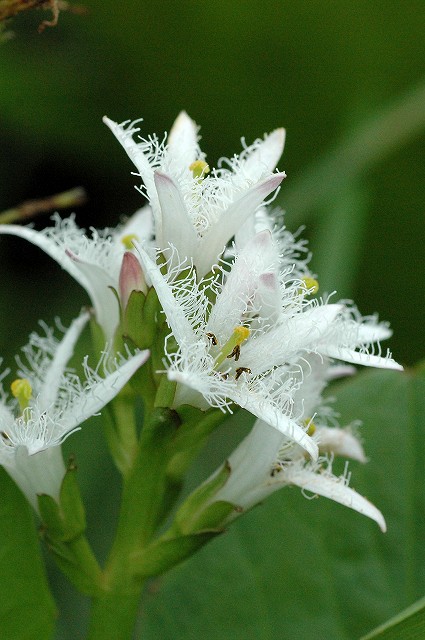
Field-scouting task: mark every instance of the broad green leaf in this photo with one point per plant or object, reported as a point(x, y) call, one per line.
point(298, 568)
point(407, 625)
point(27, 610)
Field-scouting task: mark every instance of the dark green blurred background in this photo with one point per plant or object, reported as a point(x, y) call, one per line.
point(346, 79)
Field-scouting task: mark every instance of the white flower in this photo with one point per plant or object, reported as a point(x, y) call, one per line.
point(94, 262)
point(198, 216)
point(50, 403)
point(266, 460)
point(241, 337)
point(196, 210)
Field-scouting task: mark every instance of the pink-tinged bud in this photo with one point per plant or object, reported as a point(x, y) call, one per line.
point(131, 277)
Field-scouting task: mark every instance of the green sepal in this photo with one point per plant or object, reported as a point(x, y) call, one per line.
point(133, 325)
point(214, 516)
point(166, 553)
point(166, 391)
point(52, 518)
point(195, 427)
point(75, 559)
point(151, 310)
point(64, 521)
point(63, 527)
point(98, 337)
point(199, 511)
point(71, 503)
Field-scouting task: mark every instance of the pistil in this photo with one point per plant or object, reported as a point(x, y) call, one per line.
point(21, 389)
point(232, 347)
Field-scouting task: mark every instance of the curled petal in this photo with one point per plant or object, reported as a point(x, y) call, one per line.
point(359, 357)
point(329, 486)
point(340, 442)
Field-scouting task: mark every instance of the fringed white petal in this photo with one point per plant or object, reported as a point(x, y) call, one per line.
point(291, 338)
point(136, 152)
point(175, 312)
point(98, 393)
point(329, 486)
point(6, 417)
point(140, 225)
point(358, 357)
point(368, 333)
point(212, 244)
point(266, 411)
point(250, 464)
point(124, 134)
point(62, 355)
point(49, 246)
point(258, 255)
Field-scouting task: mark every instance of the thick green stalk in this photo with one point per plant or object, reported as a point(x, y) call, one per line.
point(114, 615)
point(115, 607)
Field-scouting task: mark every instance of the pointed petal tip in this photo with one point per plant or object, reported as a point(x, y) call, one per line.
point(280, 136)
point(182, 119)
point(270, 183)
point(109, 123)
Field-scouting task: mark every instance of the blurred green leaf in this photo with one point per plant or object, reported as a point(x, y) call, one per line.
point(379, 135)
point(293, 566)
point(27, 610)
point(407, 625)
point(338, 241)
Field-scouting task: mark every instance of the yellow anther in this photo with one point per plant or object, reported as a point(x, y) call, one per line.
point(199, 169)
point(128, 241)
point(232, 346)
point(22, 391)
point(311, 285)
point(311, 427)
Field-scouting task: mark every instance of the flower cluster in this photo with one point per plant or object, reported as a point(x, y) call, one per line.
point(246, 327)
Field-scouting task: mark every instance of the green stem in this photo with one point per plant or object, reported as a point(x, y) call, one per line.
point(145, 489)
point(114, 616)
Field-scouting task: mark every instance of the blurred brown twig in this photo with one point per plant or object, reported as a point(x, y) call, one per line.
point(31, 208)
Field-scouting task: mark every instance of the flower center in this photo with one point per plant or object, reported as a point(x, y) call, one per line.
point(21, 389)
point(199, 169)
point(232, 348)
